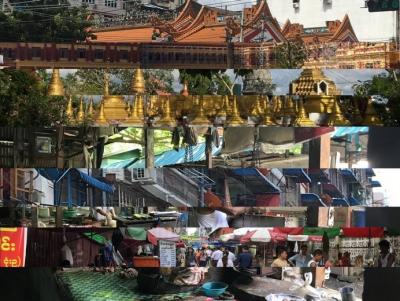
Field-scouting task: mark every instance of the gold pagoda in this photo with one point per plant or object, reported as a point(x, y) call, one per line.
point(56, 86)
point(319, 91)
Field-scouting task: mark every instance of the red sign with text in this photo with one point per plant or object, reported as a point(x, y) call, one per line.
point(12, 247)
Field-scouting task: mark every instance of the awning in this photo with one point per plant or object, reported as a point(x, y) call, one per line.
point(375, 183)
point(255, 181)
point(318, 175)
point(354, 202)
point(363, 232)
point(331, 190)
point(298, 174)
point(349, 130)
point(173, 157)
point(156, 234)
point(349, 175)
point(94, 182)
point(311, 199)
point(136, 233)
point(370, 172)
point(336, 202)
point(55, 174)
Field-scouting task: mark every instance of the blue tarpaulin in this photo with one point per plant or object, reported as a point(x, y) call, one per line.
point(375, 183)
point(349, 130)
point(311, 199)
point(336, 202)
point(298, 174)
point(349, 175)
point(55, 175)
point(173, 157)
point(354, 202)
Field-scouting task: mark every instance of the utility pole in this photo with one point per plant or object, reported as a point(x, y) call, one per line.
point(242, 25)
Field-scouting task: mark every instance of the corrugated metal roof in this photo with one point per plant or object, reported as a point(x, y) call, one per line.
point(176, 157)
point(350, 130)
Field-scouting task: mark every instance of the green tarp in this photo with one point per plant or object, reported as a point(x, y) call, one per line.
point(331, 232)
point(137, 233)
point(96, 237)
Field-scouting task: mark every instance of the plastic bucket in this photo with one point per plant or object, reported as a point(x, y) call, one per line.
point(347, 294)
point(214, 289)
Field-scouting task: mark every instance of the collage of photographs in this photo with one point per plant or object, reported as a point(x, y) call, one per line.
point(201, 150)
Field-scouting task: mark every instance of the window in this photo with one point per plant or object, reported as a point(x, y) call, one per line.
point(63, 53)
point(36, 52)
point(98, 54)
point(88, 1)
point(124, 55)
point(110, 3)
point(81, 53)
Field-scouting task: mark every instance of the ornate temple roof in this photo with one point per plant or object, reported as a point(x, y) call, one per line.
point(203, 24)
point(334, 31)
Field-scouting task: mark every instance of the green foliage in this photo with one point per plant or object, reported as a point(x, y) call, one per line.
point(23, 101)
point(59, 24)
point(91, 82)
point(387, 86)
point(290, 55)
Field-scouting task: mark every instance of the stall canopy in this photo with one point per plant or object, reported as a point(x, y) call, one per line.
point(298, 174)
point(370, 172)
point(136, 233)
point(265, 235)
point(375, 183)
point(156, 234)
point(311, 199)
point(363, 232)
point(318, 175)
point(318, 231)
point(349, 175)
point(338, 202)
point(354, 202)
point(56, 175)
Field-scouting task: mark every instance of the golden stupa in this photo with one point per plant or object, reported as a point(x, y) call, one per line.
point(80, 117)
point(185, 90)
point(302, 119)
point(319, 91)
point(114, 106)
point(235, 118)
point(201, 117)
point(370, 115)
point(167, 117)
point(56, 86)
point(138, 83)
point(69, 112)
point(337, 118)
point(267, 119)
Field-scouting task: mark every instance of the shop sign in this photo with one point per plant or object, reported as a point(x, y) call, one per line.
point(12, 247)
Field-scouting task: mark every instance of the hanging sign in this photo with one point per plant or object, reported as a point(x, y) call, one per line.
point(167, 253)
point(12, 247)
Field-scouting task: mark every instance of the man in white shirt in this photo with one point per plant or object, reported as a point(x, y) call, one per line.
point(217, 255)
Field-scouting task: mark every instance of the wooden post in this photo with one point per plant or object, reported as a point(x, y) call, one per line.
point(35, 217)
point(60, 147)
point(149, 147)
point(59, 216)
point(319, 152)
point(209, 163)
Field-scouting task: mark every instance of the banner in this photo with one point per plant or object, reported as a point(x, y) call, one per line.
point(12, 247)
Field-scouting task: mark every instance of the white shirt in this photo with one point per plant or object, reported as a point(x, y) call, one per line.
point(214, 220)
point(66, 254)
point(229, 264)
point(217, 255)
point(231, 256)
point(100, 217)
point(208, 252)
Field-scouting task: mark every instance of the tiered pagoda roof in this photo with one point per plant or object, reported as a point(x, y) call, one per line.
point(334, 31)
point(202, 24)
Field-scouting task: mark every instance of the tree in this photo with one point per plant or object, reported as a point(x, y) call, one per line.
point(23, 101)
point(58, 23)
point(388, 87)
point(91, 82)
point(210, 82)
point(291, 54)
